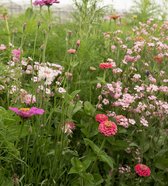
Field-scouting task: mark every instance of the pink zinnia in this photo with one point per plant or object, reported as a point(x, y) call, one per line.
point(107, 128)
point(101, 117)
point(105, 65)
point(27, 112)
point(45, 2)
point(71, 51)
point(142, 170)
point(2, 47)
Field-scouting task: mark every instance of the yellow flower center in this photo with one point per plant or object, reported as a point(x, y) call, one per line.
point(108, 124)
point(24, 109)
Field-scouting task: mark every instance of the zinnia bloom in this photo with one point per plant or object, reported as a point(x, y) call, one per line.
point(107, 128)
point(27, 112)
point(101, 117)
point(105, 65)
point(114, 17)
point(142, 170)
point(45, 2)
point(71, 51)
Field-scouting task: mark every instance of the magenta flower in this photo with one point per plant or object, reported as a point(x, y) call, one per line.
point(39, 2)
point(142, 170)
point(45, 2)
point(27, 112)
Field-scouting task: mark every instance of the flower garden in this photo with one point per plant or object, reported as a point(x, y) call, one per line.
point(85, 102)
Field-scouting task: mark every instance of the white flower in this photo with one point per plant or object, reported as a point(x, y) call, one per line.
point(61, 90)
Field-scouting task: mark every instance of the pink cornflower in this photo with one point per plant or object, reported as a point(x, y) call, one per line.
point(27, 112)
point(71, 51)
point(142, 170)
point(105, 65)
point(107, 128)
point(101, 117)
point(2, 47)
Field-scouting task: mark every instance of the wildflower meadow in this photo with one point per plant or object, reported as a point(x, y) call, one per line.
point(84, 102)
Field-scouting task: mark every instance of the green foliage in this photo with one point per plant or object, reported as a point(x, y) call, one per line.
point(145, 9)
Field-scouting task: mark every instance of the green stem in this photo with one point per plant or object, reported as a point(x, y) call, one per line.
point(101, 147)
point(7, 29)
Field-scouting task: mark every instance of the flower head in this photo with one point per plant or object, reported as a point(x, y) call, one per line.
point(101, 117)
point(142, 170)
point(105, 65)
point(2, 47)
point(107, 128)
point(71, 51)
point(45, 2)
point(69, 127)
point(27, 112)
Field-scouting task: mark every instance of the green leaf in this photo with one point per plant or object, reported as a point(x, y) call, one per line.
point(161, 163)
point(101, 154)
point(78, 167)
point(78, 107)
point(89, 109)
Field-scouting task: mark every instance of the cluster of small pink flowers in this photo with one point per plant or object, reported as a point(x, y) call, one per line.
point(122, 120)
point(115, 89)
point(16, 53)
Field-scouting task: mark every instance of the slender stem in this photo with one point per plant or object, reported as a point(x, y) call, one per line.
point(7, 29)
point(101, 147)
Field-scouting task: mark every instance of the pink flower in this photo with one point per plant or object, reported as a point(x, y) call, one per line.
point(101, 117)
point(45, 2)
point(71, 51)
point(107, 128)
point(105, 65)
point(69, 127)
point(2, 47)
point(142, 170)
point(78, 42)
point(27, 112)
point(122, 120)
point(16, 55)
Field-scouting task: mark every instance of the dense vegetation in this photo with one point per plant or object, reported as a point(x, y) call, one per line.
point(85, 102)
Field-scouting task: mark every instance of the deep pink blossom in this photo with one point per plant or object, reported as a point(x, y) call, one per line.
point(107, 128)
point(101, 117)
point(105, 65)
point(142, 170)
point(27, 112)
point(45, 2)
